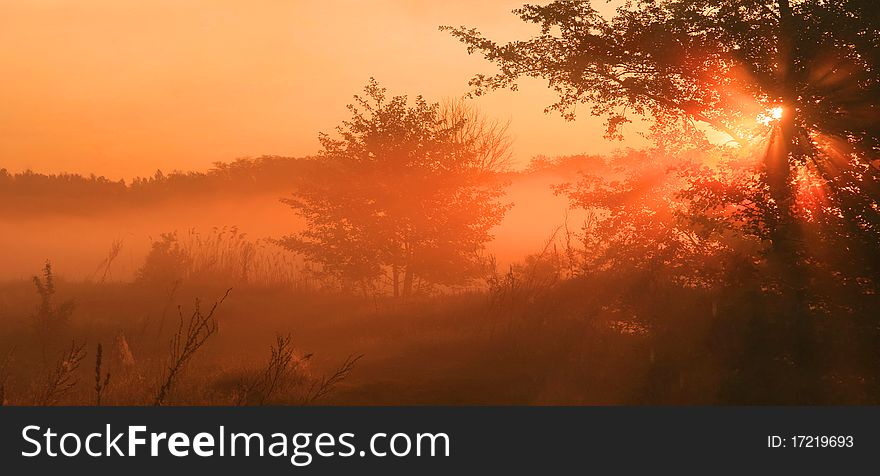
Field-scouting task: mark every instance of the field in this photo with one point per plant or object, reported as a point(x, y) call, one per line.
point(526, 340)
point(578, 306)
point(456, 349)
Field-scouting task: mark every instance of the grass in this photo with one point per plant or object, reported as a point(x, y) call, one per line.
point(102, 380)
point(187, 369)
point(221, 255)
point(534, 335)
point(191, 335)
point(63, 377)
point(348, 350)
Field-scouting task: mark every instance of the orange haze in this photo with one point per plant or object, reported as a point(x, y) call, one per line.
point(124, 87)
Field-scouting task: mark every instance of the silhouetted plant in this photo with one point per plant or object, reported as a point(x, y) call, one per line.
point(106, 263)
point(191, 335)
point(62, 378)
point(4, 376)
point(222, 254)
point(327, 384)
point(166, 262)
point(101, 380)
point(49, 315)
point(282, 363)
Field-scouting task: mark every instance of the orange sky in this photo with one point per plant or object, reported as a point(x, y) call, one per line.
point(123, 87)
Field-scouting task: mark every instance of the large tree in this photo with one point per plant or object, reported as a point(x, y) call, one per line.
point(806, 70)
point(408, 190)
point(794, 84)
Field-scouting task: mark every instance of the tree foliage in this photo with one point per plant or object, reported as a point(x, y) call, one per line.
point(719, 62)
point(778, 226)
point(796, 80)
point(405, 188)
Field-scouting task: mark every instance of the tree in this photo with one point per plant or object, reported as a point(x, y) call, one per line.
point(484, 139)
point(794, 83)
point(809, 68)
point(406, 189)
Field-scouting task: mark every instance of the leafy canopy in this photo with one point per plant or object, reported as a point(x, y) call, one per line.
point(714, 61)
point(793, 81)
point(409, 188)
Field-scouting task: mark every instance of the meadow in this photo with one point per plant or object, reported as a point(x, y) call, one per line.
point(528, 335)
point(120, 280)
point(583, 298)
point(301, 344)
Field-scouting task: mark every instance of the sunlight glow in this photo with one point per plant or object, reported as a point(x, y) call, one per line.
point(771, 115)
point(776, 113)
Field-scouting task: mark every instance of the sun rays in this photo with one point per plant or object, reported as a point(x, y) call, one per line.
point(770, 116)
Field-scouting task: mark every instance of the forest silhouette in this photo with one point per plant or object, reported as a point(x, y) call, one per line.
point(734, 260)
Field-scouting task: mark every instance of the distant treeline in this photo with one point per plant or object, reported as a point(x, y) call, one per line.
point(32, 193)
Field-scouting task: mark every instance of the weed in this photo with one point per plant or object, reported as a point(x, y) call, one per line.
point(325, 386)
point(190, 337)
point(282, 363)
point(50, 316)
point(62, 378)
point(100, 382)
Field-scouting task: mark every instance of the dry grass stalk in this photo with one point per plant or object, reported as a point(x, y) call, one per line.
point(106, 263)
point(222, 254)
point(100, 383)
point(190, 337)
point(281, 363)
point(49, 315)
point(171, 293)
point(63, 377)
point(323, 387)
point(4, 376)
point(123, 350)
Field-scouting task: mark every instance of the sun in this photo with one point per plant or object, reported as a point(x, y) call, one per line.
point(771, 115)
point(776, 113)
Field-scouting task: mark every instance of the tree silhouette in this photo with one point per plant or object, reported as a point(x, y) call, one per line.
point(794, 83)
point(409, 190)
point(808, 67)
point(37, 194)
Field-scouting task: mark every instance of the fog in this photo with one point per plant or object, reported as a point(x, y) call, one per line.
point(78, 245)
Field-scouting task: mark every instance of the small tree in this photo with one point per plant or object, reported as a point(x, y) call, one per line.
point(406, 189)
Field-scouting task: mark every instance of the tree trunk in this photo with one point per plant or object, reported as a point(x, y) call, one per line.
point(786, 249)
point(395, 276)
point(407, 282)
point(407, 271)
point(781, 156)
point(783, 229)
point(778, 161)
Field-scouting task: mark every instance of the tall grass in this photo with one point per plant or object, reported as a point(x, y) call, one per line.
point(283, 370)
point(4, 375)
point(62, 378)
point(191, 335)
point(223, 255)
point(102, 380)
point(50, 315)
